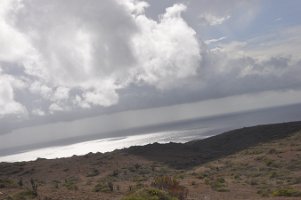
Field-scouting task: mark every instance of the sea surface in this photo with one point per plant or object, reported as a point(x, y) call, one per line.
point(105, 145)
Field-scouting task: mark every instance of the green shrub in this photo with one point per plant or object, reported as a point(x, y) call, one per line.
point(219, 185)
point(104, 187)
point(289, 192)
point(7, 183)
point(70, 184)
point(24, 195)
point(149, 194)
point(170, 185)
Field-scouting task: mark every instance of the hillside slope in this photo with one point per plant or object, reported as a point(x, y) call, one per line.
point(197, 152)
point(260, 162)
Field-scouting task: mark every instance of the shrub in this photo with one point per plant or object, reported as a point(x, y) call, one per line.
point(289, 192)
point(219, 185)
point(115, 173)
point(24, 195)
point(272, 151)
point(149, 194)
point(137, 166)
point(34, 187)
point(111, 186)
point(253, 182)
point(104, 187)
point(70, 184)
point(297, 180)
point(93, 172)
point(170, 185)
point(7, 183)
point(20, 182)
point(264, 192)
point(56, 184)
point(269, 162)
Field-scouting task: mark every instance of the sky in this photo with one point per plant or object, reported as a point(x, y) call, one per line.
point(76, 67)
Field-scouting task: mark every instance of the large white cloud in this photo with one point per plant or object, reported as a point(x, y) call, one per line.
point(13, 45)
point(95, 48)
point(168, 50)
point(8, 104)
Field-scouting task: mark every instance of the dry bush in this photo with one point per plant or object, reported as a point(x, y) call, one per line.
point(170, 185)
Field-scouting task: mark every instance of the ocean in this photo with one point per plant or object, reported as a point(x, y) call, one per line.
point(180, 132)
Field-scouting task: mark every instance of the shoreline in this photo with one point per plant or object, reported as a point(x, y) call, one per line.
point(103, 145)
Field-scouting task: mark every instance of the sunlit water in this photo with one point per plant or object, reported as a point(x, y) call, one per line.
point(106, 145)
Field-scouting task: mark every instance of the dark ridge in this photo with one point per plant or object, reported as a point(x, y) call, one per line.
point(188, 155)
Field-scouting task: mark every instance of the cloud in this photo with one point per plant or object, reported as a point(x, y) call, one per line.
point(79, 54)
point(61, 93)
point(14, 45)
point(168, 50)
point(38, 112)
point(216, 18)
point(238, 67)
point(8, 104)
point(106, 96)
point(41, 89)
point(214, 40)
point(285, 42)
point(67, 45)
point(212, 20)
point(55, 108)
point(135, 6)
point(74, 45)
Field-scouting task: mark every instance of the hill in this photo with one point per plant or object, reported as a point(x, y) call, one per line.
point(250, 163)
